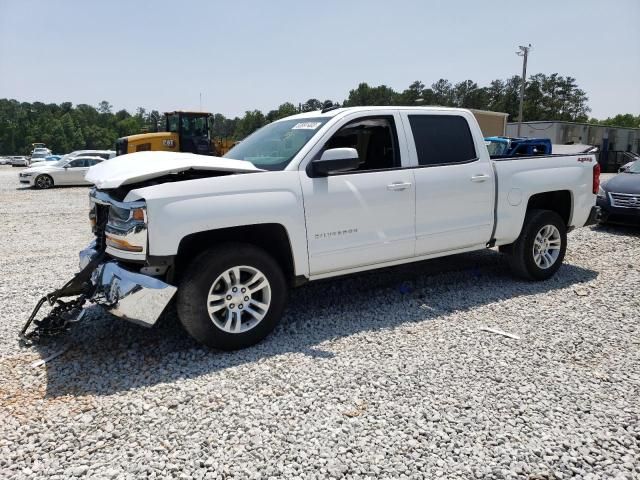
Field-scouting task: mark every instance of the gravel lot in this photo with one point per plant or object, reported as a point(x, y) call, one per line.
point(382, 375)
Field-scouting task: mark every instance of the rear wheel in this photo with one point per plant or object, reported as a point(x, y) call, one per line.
point(539, 250)
point(43, 182)
point(232, 296)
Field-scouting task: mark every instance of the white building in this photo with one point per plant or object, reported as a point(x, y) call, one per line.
point(618, 139)
point(611, 141)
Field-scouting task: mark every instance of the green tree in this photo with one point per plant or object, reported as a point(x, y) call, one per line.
point(284, 110)
point(223, 127)
point(626, 120)
point(104, 107)
point(443, 94)
point(467, 94)
point(252, 121)
point(364, 95)
point(311, 105)
point(414, 95)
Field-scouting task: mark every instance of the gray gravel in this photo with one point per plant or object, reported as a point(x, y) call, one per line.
point(383, 375)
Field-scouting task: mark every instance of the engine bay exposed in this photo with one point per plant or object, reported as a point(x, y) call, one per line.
point(121, 192)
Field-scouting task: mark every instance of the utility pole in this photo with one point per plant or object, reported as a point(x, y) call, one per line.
point(524, 53)
point(200, 101)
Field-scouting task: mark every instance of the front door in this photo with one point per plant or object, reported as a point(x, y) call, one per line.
point(365, 216)
point(454, 188)
point(75, 172)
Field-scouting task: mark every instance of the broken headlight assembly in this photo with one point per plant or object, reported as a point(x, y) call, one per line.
point(126, 230)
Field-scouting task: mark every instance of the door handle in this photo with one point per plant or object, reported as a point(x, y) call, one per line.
point(480, 178)
point(398, 186)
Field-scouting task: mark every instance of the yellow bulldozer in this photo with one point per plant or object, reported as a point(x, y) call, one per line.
point(184, 132)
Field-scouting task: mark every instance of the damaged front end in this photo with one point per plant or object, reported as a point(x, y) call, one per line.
point(110, 273)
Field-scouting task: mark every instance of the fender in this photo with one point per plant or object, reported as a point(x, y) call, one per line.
point(176, 210)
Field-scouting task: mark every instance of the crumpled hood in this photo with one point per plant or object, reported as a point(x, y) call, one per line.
point(140, 166)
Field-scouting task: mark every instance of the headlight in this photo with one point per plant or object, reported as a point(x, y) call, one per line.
point(126, 229)
point(124, 217)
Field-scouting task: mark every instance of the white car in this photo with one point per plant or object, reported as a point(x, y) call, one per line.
point(40, 152)
point(314, 196)
point(63, 172)
point(19, 161)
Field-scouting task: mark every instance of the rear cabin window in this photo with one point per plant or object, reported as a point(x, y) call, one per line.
point(442, 139)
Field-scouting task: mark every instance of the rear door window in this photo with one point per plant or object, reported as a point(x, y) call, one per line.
point(442, 139)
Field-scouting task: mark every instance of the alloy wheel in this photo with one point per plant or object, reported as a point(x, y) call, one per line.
point(546, 246)
point(239, 299)
point(44, 182)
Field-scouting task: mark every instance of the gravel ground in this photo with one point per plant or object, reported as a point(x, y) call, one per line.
point(382, 375)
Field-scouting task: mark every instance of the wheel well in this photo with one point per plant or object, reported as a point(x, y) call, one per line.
point(558, 201)
point(271, 237)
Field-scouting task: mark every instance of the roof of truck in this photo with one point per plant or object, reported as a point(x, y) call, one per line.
point(336, 111)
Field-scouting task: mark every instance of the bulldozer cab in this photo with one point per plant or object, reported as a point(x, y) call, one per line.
point(192, 129)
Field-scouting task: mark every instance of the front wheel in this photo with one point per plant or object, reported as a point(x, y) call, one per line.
point(43, 182)
point(231, 296)
point(539, 250)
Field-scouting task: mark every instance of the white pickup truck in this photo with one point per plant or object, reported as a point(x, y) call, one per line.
point(313, 196)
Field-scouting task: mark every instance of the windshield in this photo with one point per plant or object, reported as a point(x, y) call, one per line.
point(274, 145)
point(634, 167)
point(62, 162)
point(497, 148)
point(39, 155)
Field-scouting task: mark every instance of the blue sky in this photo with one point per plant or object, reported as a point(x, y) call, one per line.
point(256, 54)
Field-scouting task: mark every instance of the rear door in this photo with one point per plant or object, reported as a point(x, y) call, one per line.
point(364, 216)
point(454, 187)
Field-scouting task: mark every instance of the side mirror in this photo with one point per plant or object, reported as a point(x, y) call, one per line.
point(335, 160)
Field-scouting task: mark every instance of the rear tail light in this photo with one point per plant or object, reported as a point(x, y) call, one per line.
point(596, 178)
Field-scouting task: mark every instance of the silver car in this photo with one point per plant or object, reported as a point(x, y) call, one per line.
point(19, 161)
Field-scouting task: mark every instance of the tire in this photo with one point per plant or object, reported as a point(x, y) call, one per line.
point(534, 260)
point(42, 182)
point(216, 316)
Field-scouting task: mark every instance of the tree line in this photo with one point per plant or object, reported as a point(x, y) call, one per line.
point(64, 127)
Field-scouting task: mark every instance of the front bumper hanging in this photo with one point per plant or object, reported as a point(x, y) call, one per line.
point(128, 295)
point(131, 296)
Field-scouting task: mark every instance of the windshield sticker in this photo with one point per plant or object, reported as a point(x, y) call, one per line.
point(306, 126)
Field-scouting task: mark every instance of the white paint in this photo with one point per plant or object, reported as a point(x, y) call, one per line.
point(515, 197)
point(361, 220)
